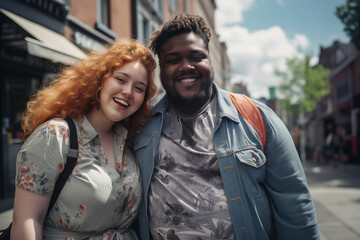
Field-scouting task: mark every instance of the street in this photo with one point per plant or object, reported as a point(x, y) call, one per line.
point(336, 192)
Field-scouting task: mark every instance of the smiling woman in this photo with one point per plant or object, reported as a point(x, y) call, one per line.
point(108, 97)
point(80, 86)
point(121, 95)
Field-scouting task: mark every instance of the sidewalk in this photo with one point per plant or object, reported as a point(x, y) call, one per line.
point(5, 219)
point(336, 193)
point(6, 212)
point(336, 221)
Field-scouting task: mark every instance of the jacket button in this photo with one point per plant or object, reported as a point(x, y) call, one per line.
point(218, 122)
point(137, 143)
point(253, 159)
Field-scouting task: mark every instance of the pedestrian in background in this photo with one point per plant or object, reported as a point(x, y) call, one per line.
point(205, 172)
point(107, 95)
point(341, 146)
point(328, 148)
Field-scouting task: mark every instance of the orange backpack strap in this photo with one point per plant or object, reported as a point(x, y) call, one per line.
point(251, 113)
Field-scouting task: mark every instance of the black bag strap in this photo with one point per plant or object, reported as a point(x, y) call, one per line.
point(63, 176)
point(69, 165)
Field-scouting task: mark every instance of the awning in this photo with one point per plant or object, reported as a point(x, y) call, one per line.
point(47, 43)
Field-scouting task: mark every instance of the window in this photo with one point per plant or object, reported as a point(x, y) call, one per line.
point(145, 29)
point(103, 18)
point(342, 90)
point(339, 57)
point(173, 5)
point(157, 6)
point(103, 12)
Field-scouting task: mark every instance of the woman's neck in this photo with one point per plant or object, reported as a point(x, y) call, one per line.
point(100, 124)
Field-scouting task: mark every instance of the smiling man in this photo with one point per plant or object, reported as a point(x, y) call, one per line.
point(205, 172)
point(186, 72)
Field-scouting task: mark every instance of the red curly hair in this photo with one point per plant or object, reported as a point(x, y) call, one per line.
point(75, 91)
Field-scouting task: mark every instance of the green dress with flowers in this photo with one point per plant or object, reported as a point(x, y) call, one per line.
point(97, 201)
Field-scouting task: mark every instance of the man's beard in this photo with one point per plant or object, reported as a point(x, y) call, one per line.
point(197, 100)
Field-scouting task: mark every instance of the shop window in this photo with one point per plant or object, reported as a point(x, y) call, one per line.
point(18, 92)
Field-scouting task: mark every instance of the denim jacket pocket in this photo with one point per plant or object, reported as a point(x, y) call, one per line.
point(141, 141)
point(252, 157)
point(252, 170)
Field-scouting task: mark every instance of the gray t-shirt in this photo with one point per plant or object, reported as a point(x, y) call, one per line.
point(186, 197)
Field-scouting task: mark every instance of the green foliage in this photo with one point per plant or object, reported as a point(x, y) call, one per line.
point(349, 14)
point(290, 88)
point(302, 85)
point(316, 86)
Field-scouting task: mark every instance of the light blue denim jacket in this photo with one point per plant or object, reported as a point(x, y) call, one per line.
point(263, 188)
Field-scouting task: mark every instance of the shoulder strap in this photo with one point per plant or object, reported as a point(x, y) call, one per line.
point(251, 113)
point(69, 165)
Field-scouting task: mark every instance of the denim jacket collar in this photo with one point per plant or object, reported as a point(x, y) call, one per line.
point(225, 106)
point(160, 104)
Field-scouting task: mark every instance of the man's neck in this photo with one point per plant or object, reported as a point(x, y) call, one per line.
point(190, 108)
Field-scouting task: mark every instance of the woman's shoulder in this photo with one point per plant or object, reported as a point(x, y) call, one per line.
point(55, 127)
point(43, 155)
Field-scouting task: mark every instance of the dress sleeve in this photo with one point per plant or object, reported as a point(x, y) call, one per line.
point(292, 206)
point(42, 157)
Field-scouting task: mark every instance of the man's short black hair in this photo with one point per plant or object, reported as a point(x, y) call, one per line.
point(181, 23)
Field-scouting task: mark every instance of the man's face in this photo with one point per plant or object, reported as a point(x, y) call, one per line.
point(185, 69)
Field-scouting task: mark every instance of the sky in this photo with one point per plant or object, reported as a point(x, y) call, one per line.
point(261, 34)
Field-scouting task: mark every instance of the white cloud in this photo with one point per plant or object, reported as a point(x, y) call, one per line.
point(267, 68)
point(255, 55)
point(300, 41)
point(231, 11)
point(237, 78)
point(314, 60)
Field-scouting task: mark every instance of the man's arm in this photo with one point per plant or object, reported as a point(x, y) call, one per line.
point(292, 206)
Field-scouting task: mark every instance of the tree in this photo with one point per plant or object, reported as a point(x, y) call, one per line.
point(349, 14)
point(302, 85)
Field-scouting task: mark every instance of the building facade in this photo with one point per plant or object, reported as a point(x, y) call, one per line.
point(341, 107)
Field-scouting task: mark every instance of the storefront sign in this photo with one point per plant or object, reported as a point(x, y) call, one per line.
point(87, 43)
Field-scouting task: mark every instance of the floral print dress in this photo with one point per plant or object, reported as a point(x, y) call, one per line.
point(98, 201)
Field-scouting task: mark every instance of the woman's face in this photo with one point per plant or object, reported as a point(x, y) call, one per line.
point(123, 93)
